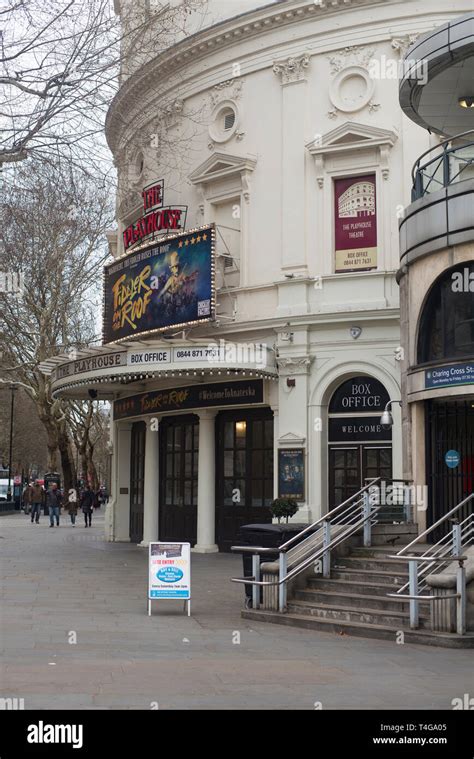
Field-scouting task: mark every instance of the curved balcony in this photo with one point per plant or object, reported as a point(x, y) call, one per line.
point(442, 210)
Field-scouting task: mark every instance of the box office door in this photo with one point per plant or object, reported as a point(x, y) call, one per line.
point(350, 468)
point(244, 469)
point(179, 478)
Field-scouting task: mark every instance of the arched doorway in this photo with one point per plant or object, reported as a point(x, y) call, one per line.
point(359, 448)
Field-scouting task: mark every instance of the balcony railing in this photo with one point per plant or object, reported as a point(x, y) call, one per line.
point(444, 165)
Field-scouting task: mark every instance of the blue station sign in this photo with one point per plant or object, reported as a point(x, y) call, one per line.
point(449, 375)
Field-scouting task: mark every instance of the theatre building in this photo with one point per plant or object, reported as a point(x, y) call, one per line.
point(437, 272)
point(251, 335)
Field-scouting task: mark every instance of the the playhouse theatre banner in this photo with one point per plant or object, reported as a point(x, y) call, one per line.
point(160, 286)
point(355, 229)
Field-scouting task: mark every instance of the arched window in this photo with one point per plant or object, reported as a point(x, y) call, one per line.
point(446, 327)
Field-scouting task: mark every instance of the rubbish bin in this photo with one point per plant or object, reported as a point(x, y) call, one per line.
point(265, 536)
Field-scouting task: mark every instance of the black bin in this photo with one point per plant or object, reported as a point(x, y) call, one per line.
point(266, 536)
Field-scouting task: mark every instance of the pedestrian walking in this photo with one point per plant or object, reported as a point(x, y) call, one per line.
point(72, 506)
point(87, 504)
point(53, 502)
point(37, 501)
point(26, 498)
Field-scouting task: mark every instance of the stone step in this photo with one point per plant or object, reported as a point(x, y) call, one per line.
point(381, 577)
point(377, 551)
point(351, 614)
point(336, 597)
point(386, 632)
point(359, 587)
point(362, 562)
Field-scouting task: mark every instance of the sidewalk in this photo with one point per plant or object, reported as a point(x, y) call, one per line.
point(67, 583)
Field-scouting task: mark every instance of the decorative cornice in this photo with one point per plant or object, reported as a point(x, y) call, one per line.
point(356, 55)
point(401, 44)
point(218, 37)
point(291, 365)
point(231, 89)
point(292, 69)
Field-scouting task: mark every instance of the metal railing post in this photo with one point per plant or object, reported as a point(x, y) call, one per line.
point(256, 575)
point(367, 522)
point(282, 589)
point(457, 540)
point(461, 599)
point(406, 503)
point(413, 584)
point(326, 554)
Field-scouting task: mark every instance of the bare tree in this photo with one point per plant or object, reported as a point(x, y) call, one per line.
point(52, 227)
point(60, 63)
point(88, 422)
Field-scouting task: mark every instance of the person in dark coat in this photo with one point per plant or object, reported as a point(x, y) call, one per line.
point(53, 502)
point(87, 504)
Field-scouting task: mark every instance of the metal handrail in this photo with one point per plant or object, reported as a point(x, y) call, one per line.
point(327, 516)
point(435, 524)
point(308, 561)
point(416, 167)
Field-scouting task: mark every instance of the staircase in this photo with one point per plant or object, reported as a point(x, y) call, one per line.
point(338, 575)
point(354, 601)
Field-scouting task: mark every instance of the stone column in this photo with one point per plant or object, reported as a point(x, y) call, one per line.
point(121, 520)
point(292, 77)
point(206, 516)
point(151, 485)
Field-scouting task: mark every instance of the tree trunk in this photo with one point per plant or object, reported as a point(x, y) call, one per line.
point(66, 462)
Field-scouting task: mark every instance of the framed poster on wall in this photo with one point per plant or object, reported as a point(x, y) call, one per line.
point(291, 474)
point(355, 223)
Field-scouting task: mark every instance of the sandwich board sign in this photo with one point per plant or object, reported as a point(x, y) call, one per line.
point(169, 573)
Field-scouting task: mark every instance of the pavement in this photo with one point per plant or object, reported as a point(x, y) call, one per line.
point(75, 634)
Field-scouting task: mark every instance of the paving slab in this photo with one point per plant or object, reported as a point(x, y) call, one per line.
point(69, 579)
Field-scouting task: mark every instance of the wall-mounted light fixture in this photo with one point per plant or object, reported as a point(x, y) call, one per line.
point(386, 420)
point(466, 101)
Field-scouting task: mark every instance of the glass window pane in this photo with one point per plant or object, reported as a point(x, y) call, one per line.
point(228, 435)
point(268, 434)
point(187, 492)
point(188, 464)
point(257, 463)
point(176, 492)
point(169, 464)
point(268, 463)
point(177, 464)
point(268, 492)
point(169, 492)
point(240, 434)
point(239, 492)
point(228, 487)
point(228, 463)
point(257, 492)
point(188, 437)
point(239, 463)
point(257, 434)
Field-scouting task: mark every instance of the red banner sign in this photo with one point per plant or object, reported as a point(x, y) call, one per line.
point(156, 218)
point(355, 229)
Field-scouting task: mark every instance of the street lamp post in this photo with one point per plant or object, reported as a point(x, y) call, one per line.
point(9, 488)
point(386, 420)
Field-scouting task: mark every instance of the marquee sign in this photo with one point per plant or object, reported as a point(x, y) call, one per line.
point(167, 284)
point(156, 217)
point(189, 397)
point(355, 229)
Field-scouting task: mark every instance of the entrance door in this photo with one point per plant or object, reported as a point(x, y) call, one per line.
point(137, 481)
point(179, 478)
point(449, 427)
point(351, 467)
point(244, 467)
